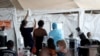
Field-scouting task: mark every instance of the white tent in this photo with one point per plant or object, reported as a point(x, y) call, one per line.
point(61, 6)
point(8, 12)
point(53, 6)
point(50, 5)
point(57, 4)
point(88, 4)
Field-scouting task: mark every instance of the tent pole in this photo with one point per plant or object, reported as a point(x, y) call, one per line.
point(78, 19)
point(81, 18)
point(15, 29)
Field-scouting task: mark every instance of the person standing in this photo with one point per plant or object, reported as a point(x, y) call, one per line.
point(26, 32)
point(84, 42)
point(56, 33)
point(39, 34)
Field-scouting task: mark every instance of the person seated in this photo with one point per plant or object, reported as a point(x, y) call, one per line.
point(61, 50)
point(89, 38)
point(92, 41)
point(50, 50)
point(9, 51)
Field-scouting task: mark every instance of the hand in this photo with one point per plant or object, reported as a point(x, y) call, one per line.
point(71, 35)
point(26, 15)
point(34, 21)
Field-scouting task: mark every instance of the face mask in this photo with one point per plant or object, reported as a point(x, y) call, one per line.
point(57, 48)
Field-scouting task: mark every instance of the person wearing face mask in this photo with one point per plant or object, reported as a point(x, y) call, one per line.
point(50, 50)
point(61, 48)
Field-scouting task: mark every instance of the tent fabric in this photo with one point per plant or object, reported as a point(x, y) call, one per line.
point(70, 22)
point(9, 14)
point(5, 4)
point(48, 4)
point(59, 4)
point(88, 4)
point(16, 4)
point(67, 22)
point(51, 4)
point(92, 24)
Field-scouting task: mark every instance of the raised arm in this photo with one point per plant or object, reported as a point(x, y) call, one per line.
point(34, 31)
point(34, 24)
point(26, 15)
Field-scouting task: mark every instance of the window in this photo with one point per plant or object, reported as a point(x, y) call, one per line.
point(59, 25)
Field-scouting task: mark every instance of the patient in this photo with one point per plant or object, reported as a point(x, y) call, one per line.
point(89, 37)
point(61, 50)
point(93, 41)
point(49, 50)
point(9, 51)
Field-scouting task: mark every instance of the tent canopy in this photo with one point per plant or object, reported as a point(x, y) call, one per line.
point(52, 5)
point(59, 4)
point(5, 4)
point(88, 4)
point(48, 4)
